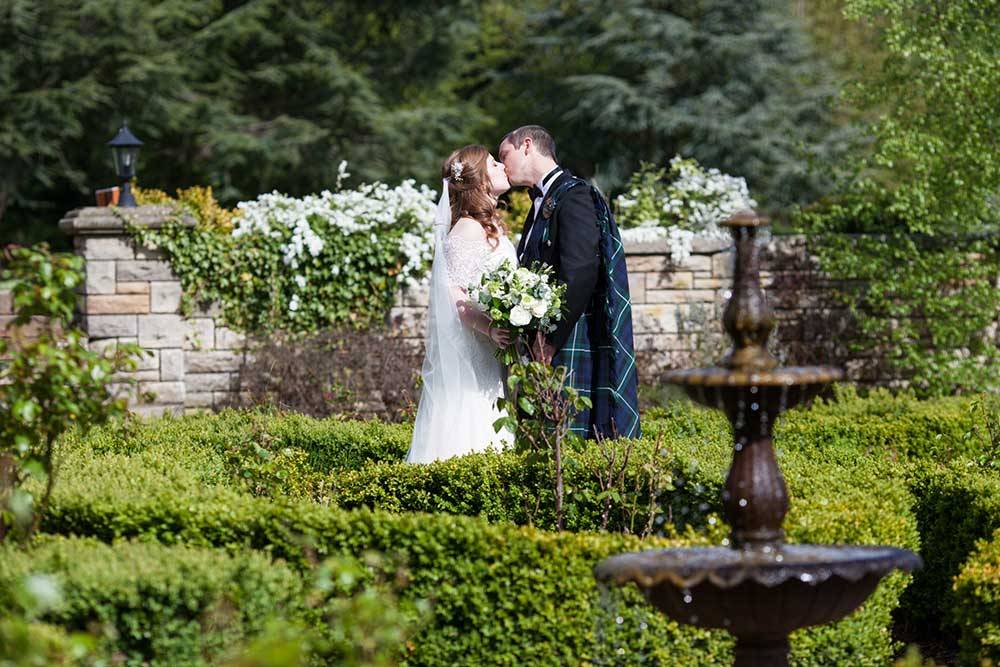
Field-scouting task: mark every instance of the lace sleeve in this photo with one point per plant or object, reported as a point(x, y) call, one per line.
point(465, 254)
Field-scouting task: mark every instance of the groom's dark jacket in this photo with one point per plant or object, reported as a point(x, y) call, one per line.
point(566, 239)
point(574, 232)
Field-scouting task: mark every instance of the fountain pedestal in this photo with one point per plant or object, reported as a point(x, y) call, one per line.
point(759, 589)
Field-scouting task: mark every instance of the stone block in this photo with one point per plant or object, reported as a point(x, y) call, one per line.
point(697, 263)
point(165, 392)
point(709, 283)
point(659, 318)
point(111, 326)
point(200, 334)
point(670, 280)
point(227, 339)
point(143, 269)
point(165, 297)
point(708, 246)
point(100, 277)
point(723, 264)
point(161, 330)
point(149, 360)
point(172, 364)
point(202, 382)
point(214, 361)
point(105, 247)
point(637, 287)
point(681, 296)
point(132, 288)
point(199, 399)
point(641, 263)
point(101, 344)
point(6, 303)
point(142, 252)
point(137, 376)
point(117, 304)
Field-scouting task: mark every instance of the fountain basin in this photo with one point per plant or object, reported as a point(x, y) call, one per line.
point(758, 595)
point(730, 389)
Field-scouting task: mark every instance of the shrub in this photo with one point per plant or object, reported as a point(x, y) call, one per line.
point(977, 604)
point(955, 506)
point(501, 594)
point(154, 604)
point(345, 372)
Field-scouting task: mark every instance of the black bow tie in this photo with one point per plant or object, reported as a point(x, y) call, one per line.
point(534, 192)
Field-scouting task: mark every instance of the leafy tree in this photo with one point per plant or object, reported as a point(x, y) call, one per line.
point(245, 96)
point(939, 136)
point(733, 84)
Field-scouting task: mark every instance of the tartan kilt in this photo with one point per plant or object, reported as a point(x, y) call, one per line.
point(578, 358)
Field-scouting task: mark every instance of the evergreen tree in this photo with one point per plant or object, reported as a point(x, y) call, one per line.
point(732, 83)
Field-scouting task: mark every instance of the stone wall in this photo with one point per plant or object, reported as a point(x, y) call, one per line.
point(131, 295)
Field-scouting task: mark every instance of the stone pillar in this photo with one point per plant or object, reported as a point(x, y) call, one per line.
point(132, 295)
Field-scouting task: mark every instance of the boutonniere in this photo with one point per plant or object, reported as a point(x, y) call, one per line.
point(548, 207)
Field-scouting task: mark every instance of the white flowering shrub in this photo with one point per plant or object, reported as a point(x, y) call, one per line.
point(679, 204)
point(301, 264)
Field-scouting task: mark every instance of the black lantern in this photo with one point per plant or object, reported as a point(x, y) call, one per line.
point(125, 149)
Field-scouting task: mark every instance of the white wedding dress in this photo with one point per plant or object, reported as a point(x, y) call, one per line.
point(462, 379)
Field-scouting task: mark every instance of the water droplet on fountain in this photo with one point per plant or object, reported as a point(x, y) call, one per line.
point(779, 558)
point(725, 541)
point(739, 447)
point(806, 578)
point(743, 502)
point(727, 294)
point(712, 521)
point(755, 406)
point(688, 599)
point(643, 625)
point(753, 390)
point(694, 620)
point(619, 620)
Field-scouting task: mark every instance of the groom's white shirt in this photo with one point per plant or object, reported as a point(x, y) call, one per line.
point(543, 185)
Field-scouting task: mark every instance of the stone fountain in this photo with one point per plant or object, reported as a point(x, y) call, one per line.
point(759, 588)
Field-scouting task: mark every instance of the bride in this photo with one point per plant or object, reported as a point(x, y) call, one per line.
point(462, 378)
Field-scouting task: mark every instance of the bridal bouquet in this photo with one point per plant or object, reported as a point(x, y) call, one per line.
point(521, 299)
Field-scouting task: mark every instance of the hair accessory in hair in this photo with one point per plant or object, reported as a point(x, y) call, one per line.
point(456, 171)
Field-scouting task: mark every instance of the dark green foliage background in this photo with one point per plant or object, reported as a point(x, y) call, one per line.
point(258, 95)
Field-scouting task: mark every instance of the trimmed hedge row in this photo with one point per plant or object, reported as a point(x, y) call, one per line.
point(956, 505)
point(977, 604)
point(156, 604)
point(501, 594)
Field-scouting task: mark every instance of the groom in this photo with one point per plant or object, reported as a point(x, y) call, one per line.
point(570, 228)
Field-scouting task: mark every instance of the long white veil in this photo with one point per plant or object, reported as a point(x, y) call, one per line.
point(453, 416)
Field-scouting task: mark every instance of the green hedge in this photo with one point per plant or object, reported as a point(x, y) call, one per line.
point(501, 594)
point(956, 505)
point(977, 604)
point(155, 604)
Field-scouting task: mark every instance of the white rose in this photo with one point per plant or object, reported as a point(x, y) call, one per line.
point(527, 277)
point(519, 317)
point(539, 308)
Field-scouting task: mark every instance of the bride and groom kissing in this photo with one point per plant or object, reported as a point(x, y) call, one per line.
point(569, 228)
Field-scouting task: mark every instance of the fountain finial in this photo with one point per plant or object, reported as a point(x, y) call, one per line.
point(748, 319)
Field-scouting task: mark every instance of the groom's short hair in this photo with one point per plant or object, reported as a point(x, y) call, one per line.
point(543, 141)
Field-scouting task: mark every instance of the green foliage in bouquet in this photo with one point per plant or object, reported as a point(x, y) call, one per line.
point(50, 382)
point(523, 300)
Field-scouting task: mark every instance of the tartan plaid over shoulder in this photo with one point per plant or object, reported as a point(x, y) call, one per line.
point(600, 353)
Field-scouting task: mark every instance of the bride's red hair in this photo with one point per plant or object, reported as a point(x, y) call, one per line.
point(469, 190)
